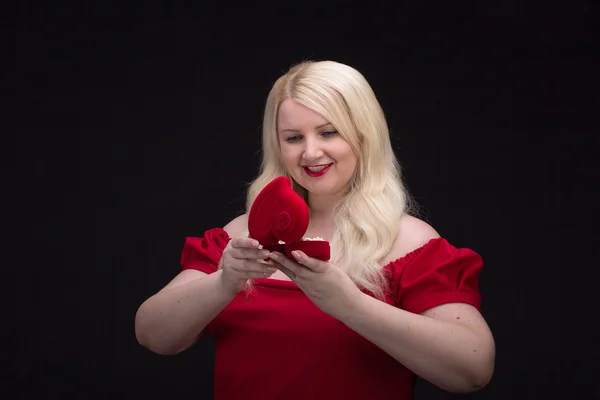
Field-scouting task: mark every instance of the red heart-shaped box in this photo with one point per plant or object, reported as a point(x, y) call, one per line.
point(280, 214)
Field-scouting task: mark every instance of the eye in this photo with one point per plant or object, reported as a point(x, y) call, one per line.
point(292, 139)
point(329, 133)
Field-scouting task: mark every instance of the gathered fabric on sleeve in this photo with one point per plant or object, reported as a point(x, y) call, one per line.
point(204, 253)
point(435, 274)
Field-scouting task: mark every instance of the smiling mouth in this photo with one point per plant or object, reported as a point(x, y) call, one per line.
point(316, 170)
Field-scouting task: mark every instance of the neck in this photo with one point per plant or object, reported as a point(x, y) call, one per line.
point(321, 207)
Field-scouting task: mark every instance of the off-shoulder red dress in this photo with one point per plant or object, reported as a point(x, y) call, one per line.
point(276, 344)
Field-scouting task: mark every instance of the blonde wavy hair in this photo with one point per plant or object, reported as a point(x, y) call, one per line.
point(366, 220)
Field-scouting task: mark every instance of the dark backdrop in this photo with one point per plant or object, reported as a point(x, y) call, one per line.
point(140, 126)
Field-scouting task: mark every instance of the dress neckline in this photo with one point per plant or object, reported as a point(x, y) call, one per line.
point(290, 285)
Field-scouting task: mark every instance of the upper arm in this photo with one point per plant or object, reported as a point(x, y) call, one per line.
point(416, 234)
point(459, 313)
point(235, 227)
point(185, 276)
point(465, 315)
point(439, 273)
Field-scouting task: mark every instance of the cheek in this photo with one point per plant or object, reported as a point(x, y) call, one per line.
point(289, 155)
point(350, 162)
point(348, 155)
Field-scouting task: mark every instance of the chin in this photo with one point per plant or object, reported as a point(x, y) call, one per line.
point(324, 186)
point(322, 189)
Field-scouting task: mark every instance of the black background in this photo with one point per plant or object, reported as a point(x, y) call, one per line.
point(139, 126)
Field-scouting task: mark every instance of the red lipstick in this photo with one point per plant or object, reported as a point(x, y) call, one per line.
point(320, 172)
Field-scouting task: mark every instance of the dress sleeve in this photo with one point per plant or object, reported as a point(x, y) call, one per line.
point(435, 274)
point(204, 253)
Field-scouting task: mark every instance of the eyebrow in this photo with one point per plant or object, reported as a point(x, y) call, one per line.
point(296, 130)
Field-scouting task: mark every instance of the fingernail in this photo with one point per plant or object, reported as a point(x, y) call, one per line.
point(264, 254)
point(295, 254)
point(273, 255)
point(259, 246)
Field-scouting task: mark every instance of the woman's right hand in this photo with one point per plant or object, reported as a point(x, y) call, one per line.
point(241, 261)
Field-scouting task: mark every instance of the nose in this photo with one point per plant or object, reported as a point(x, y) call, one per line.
point(312, 150)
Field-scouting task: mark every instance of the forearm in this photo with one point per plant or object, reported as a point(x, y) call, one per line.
point(171, 320)
point(449, 355)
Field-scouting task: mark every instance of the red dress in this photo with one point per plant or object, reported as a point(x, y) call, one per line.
point(274, 343)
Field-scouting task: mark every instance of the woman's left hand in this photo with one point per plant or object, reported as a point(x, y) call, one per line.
point(330, 288)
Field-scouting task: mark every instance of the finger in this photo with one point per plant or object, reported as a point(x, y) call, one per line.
point(245, 242)
point(309, 262)
point(254, 269)
point(286, 271)
point(249, 254)
point(285, 262)
point(258, 275)
point(253, 266)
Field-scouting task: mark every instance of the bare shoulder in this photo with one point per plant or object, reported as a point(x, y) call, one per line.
point(412, 234)
point(237, 226)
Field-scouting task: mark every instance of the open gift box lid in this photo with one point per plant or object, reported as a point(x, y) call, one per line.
point(278, 215)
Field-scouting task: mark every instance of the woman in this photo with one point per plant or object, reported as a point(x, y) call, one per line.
point(394, 301)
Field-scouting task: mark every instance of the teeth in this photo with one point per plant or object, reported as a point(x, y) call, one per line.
point(317, 169)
